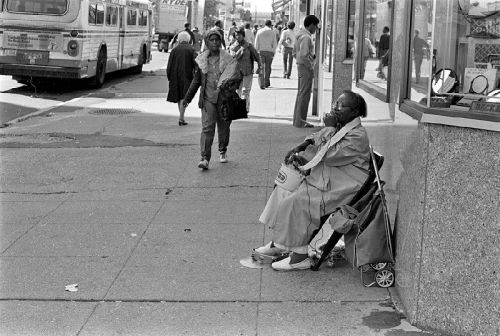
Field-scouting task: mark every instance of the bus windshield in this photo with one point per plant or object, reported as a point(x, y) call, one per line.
point(51, 7)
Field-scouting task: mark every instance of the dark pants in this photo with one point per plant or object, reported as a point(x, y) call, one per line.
point(303, 95)
point(266, 59)
point(363, 67)
point(287, 61)
point(210, 117)
point(418, 66)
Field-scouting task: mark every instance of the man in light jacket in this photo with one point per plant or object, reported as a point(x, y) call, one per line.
point(304, 53)
point(287, 40)
point(265, 43)
point(249, 35)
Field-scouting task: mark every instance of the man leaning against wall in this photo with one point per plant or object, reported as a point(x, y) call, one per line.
point(304, 54)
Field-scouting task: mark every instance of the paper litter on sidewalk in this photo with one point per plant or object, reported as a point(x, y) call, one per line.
point(71, 288)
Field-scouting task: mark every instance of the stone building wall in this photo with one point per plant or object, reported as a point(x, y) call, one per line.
point(448, 230)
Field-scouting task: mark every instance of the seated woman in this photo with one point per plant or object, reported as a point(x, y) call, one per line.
point(337, 170)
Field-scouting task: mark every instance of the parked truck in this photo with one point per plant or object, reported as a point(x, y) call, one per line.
point(171, 20)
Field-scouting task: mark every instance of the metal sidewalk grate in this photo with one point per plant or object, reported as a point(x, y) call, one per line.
point(113, 111)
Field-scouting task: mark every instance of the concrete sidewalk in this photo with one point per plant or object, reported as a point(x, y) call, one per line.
point(105, 193)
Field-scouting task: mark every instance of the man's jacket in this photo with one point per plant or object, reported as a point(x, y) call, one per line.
point(304, 49)
point(266, 40)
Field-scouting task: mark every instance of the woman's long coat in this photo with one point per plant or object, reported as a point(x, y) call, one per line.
point(294, 216)
point(180, 71)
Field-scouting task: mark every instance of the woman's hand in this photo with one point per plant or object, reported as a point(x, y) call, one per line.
point(295, 151)
point(298, 160)
point(289, 156)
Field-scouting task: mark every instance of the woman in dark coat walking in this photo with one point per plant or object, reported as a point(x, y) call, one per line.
point(180, 73)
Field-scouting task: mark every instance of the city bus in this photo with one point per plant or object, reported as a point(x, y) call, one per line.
point(73, 39)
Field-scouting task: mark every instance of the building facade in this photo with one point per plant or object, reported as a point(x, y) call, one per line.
point(436, 61)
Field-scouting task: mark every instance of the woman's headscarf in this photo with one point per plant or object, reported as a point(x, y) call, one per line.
point(183, 37)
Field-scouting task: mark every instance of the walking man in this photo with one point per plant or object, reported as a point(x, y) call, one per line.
point(287, 40)
point(265, 43)
point(420, 47)
point(246, 55)
point(304, 53)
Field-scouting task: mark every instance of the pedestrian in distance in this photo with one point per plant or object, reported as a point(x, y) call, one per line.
point(187, 28)
point(198, 40)
point(287, 42)
point(277, 31)
point(337, 158)
point(218, 27)
point(231, 34)
point(368, 52)
point(304, 54)
point(266, 43)
point(255, 29)
point(384, 42)
point(420, 49)
point(249, 34)
point(246, 55)
point(210, 65)
point(180, 73)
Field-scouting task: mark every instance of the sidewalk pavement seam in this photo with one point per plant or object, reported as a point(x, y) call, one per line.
point(40, 112)
point(187, 301)
point(34, 225)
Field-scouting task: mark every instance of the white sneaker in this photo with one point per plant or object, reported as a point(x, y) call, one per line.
point(203, 164)
point(223, 157)
point(284, 265)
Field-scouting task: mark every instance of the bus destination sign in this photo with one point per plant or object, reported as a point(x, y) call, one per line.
point(32, 41)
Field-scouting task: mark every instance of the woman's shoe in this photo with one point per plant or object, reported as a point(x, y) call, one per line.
point(285, 265)
point(182, 122)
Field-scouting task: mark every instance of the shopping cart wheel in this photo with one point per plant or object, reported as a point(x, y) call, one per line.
point(384, 278)
point(379, 266)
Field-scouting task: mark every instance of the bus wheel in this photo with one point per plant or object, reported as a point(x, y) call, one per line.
point(138, 68)
point(100, 72)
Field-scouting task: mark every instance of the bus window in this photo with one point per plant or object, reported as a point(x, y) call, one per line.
point(54, 7)
point(100, 14)
point(143, 19)
point(131, 17)
point(96, 14)
point(111, 15)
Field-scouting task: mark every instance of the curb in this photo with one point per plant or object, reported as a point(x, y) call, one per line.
point(37, 113)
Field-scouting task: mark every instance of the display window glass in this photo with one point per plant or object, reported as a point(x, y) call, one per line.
point(351, 21)
point(375, 55)
point(456, 53)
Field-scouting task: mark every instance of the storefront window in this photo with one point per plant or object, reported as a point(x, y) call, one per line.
point(351, 15)
point(376, 54)
point(420, 66)
point(465, 57)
